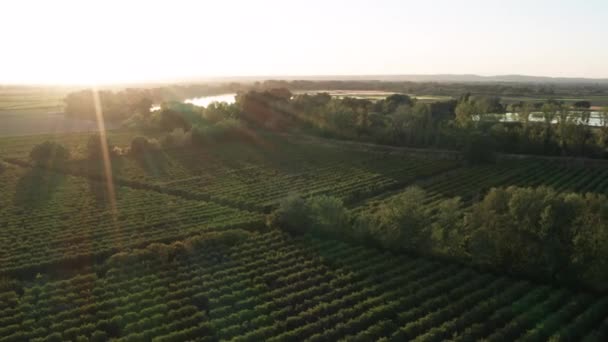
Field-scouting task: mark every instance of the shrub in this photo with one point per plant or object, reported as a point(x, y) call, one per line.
point(328, 215)
point(320, 214)
point(49, 153)
point(293, 216)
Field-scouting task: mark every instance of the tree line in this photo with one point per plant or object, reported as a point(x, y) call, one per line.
point(469, 123)
point(532, 232)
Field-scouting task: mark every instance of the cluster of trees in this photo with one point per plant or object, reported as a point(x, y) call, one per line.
point(49, 154)
point(561, 129)
point(534, 232)
point(114, 106)
point(119, 105)
point(397, 120)
point(185, 124)
point(454, 89)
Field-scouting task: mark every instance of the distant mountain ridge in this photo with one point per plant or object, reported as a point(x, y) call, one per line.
point(444, 78)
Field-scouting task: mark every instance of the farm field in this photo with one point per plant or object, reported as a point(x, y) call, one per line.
point(256, 175)
point(471, 183)
point(50, 218)
point(19, 147)
point(31, 98)
point(182, 251)
point(272, 287)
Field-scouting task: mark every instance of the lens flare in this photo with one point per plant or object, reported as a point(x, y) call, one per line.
point(107, 162)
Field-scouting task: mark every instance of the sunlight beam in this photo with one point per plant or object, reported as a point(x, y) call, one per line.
point(107, 163)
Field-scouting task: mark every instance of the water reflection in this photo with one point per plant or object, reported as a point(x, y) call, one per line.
point(204, 101)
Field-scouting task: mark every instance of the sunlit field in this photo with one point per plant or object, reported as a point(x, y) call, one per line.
point(315, 171)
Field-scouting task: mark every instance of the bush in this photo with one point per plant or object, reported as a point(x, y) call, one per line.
point(293, 216)
point(49, 153)
point(320, 215)
point(328, 215)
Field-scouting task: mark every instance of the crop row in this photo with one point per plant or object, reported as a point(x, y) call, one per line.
point(273, 287)
point(66, 222)
point(471, 183)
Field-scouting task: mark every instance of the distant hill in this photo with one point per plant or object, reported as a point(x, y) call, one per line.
point(444, 78)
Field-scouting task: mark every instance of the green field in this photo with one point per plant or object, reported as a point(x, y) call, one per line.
point(272, 287)
point(182, 252)
point(31, 98)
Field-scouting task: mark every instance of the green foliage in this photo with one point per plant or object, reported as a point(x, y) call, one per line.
point(221, 131)
point(403, 222)
point(49, 154)
point(165, 253)
point(96, 145)
point(171, 119)
point(324, 215)
point(293, 215)
point(142, 146)
point(478, 149)
point(541, 233)
point(178, 138)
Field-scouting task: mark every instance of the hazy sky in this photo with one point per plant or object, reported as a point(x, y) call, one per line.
point(115, 41)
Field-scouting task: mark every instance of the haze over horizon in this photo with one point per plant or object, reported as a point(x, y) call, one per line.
point(71, 42)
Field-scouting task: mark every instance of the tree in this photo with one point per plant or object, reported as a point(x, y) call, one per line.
point(465, 113)
point(549, 111)
point(143, 107)
point(524, 113)
point(590, 242)
point(523, 230)
point(403, 222)
point(172, 119)
point(95, 147)
point(141, 146)
point(392, 102)
point(49, 153)
point(582, 105)
point(603, 129)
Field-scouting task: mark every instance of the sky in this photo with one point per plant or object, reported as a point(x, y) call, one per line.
point(107, 41)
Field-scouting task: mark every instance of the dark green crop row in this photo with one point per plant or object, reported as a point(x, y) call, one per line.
point(48, 218)
point(471, 183)
point(273, 287)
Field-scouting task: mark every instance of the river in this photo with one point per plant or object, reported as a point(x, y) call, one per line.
point(204, 101)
